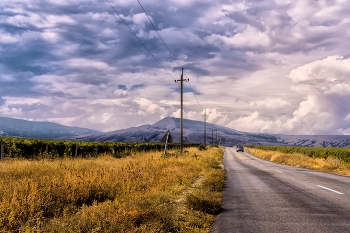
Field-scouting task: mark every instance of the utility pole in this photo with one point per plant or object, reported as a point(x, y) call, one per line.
point(2, 150)
point(216, 137)
point(212, 134)
point(205, 128)
point(181, 120)
point(219, 139)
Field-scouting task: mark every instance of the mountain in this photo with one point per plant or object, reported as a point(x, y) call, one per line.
point(193, 132)
point(44, 130)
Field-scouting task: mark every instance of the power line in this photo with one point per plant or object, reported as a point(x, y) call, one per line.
point(146, 48)
point(194, 93)
point(168, 49)
point(139, 39)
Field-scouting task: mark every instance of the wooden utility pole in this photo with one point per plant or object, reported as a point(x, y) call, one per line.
point(76, 150)
point(216, 138)
point(2, 151)
point(182, 80)
point(212, 134)
point(205, 128)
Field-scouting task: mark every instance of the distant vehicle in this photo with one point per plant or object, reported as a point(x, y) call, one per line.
point(239, 148)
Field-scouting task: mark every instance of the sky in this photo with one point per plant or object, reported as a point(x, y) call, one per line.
point(269, 66)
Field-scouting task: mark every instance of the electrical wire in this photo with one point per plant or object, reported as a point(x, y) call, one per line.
point(168, 49)
point(147, 49)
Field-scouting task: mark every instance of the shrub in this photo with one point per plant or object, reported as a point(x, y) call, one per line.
point(202, 147)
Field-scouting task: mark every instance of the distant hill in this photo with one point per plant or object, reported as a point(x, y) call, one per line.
point(44, 130)
point(193, 132)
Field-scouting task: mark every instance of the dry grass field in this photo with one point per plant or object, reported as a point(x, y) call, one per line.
point(330, 164)
point(140, 193)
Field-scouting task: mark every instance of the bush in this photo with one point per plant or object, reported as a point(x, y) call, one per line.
point(202, 147)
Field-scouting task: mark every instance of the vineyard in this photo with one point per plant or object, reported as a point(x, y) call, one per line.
point(37, 148)
point(314, 152)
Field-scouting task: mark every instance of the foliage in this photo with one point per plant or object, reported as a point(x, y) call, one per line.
point(315, 152)
point(36, 148)
point(202, 147)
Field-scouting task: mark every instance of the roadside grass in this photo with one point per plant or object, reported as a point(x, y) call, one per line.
point(331, 164)
point(137, 193)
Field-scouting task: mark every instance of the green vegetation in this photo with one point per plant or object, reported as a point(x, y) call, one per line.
point(142, 192)
point(36, 148)
point(314, 152)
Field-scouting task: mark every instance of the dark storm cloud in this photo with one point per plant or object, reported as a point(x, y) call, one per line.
point(189, 89)
point(137, 86)
point(193, 68)
point(87, 40)
point(30, 56)
point(19, 84)
point(122, 87)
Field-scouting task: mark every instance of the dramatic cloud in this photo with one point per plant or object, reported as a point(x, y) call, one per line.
point(275, 66)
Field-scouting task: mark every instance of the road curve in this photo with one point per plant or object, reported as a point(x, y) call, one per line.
point(260, 196)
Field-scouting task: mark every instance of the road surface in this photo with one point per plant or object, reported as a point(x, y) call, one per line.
point(260, 196)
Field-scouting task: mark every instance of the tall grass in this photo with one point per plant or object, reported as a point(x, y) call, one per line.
point(105, 194)
point(329, 164)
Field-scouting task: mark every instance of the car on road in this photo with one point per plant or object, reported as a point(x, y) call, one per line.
point(239, 148)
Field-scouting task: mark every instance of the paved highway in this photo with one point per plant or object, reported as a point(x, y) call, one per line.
point(260, 196)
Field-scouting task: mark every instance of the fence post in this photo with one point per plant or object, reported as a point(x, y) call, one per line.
point(166, 143)
point(96, 151)
point(2, 151)
point(76, 150)
point(113, 151)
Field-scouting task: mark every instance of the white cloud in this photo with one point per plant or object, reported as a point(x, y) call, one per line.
point(250, 38)
point(270, 103)
point(276, 66)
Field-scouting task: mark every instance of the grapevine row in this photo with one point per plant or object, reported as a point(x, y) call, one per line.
point(37, 148)
point(315, 152)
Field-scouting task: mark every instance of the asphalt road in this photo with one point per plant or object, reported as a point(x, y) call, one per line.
point(260, 196)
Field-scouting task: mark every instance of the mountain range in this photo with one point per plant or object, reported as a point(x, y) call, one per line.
point(193, 132)
point(45, 130)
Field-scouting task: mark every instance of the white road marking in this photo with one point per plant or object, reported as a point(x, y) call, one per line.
point(329, 189)
point(278, 171)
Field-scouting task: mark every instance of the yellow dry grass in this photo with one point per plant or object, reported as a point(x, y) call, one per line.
point(330, 164)
point(104, 194)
